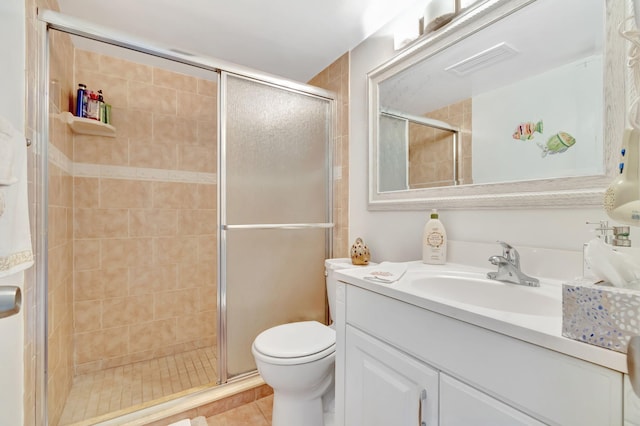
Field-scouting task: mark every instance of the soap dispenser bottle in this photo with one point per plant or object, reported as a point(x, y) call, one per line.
point(434, 241)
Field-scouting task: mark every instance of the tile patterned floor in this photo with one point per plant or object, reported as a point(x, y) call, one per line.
point(99, 393)
point(257, 413)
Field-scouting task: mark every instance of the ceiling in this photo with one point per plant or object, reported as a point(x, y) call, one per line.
point(295, 39)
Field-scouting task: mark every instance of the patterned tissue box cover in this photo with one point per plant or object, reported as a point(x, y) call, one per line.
point(600, 315)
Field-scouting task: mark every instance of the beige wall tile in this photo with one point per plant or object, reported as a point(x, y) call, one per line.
point(152, 335)
point(152, 98)
point(196, 158)
point(101, 223)
point(206, 197)
point(125, 69)
point(87, 316)
point(101, 344)
point(152, 279)
point(207, 87)
point(123, 193)
point(85, 192)
point(173, 304)
point(127, 310)
point(199, 107)
point(172, 195)
point(147, 154)
point(197, 222)
point(153, 222)
point(86, 254)
point(100, 283)
point(126, 252)
point(100, 150)
point(132, 123)
point(174, 80)
point(170, 130)
point(207, 133)
point(176, 249)
point(207, 248)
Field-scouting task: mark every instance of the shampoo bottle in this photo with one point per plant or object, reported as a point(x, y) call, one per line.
point(434, 241)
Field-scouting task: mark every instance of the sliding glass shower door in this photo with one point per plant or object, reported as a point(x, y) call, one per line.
point(275, 212)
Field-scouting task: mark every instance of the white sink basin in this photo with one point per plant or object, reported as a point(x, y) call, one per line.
point(474, 289)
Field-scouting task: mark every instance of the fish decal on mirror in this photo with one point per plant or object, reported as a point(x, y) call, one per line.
point(557, 144)
point(525, 131)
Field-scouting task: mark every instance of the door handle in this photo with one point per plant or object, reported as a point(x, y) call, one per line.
point(633, 363)
point(10, 300)
point(422, 408)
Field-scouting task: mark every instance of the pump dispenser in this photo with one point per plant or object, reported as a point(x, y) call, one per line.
point(434, 241)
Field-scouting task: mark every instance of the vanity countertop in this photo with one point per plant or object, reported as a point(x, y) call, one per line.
point(541, 330)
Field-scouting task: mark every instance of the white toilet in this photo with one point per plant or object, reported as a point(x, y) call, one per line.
point(297, 361)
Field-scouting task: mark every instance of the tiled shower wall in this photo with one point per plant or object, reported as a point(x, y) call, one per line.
point(60, 229)
point(430, 150)
point(336, 78)
point(144, 216)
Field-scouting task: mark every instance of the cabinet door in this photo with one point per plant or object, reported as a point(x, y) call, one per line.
point(385, 386)
point(462, 405)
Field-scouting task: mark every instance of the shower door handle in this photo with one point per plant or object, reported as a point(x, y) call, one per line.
point(326, 225)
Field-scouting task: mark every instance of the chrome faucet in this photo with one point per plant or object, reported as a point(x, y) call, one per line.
point(509, 268)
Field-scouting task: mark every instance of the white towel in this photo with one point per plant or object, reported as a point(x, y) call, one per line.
point(7, 153)
point(387, 272)
point(15, 235)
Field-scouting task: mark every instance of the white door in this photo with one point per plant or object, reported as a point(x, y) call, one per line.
point(385, 386)
point(462, 405)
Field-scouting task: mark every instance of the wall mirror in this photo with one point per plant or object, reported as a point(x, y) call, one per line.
point(515, 103)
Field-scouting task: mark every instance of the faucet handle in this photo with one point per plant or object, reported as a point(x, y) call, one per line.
point(510, 253)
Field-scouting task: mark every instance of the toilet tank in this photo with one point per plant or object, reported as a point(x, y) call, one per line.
point(330, 266)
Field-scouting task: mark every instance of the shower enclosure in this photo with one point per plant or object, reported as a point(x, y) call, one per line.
point(201, 220)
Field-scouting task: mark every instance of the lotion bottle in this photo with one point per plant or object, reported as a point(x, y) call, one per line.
point(434, 241)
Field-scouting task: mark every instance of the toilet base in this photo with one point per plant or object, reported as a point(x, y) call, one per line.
point(288, 410)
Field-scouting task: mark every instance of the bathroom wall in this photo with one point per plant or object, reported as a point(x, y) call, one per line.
point(60, 228)
point(396, 235)
point(336, 78)
point(144, 216)
point(12, 107)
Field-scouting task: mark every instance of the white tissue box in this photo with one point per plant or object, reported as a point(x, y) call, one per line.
point(600, 315)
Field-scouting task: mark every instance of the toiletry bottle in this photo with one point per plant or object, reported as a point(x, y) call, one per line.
point(100, 106)
point(93, 106)
point(434, 241)
point(81, 101)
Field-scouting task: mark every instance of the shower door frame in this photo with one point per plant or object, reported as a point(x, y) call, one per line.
point(223, 226)
point(51, 20)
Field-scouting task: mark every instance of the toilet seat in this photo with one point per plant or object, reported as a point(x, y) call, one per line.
point(295, 343)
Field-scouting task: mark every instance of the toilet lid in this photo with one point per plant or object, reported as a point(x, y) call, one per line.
point(295, 340)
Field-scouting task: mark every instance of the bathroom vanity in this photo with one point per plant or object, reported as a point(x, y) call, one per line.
point(412, 354)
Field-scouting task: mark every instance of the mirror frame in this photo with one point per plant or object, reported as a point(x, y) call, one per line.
point(539, 193)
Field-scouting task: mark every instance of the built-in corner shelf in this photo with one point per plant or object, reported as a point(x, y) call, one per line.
point(87, 126)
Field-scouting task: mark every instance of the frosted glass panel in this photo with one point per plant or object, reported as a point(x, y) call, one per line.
point(274, 277)
point(275, 170)
point(276, 154)
point(393, 141)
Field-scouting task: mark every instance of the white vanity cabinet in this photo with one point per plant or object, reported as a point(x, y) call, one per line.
point(472, 376)
point(387, 387)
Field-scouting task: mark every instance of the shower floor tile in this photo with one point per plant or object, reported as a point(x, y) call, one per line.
point(119, 388)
